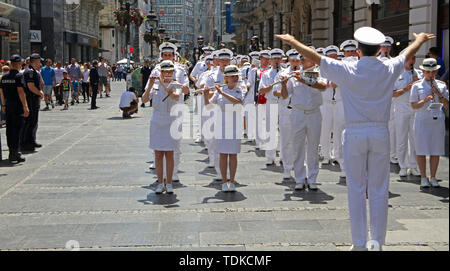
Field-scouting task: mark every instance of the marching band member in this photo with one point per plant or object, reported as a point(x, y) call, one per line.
point(249, 97)
point(306, 118)
point(161, 141)
point(269, 144)
point(333, 119)
point(227, 148)
point(385, 54)
point(167, 51)
point(349, 48)
point(254, 79)
point(216, 77)
point(284, 111)
point(404, 119)
point(366, 143)
point(200, 68)
point(427, 98)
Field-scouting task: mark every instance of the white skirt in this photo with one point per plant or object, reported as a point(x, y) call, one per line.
point(228, 146)
point(430, 135)
point(160, 136)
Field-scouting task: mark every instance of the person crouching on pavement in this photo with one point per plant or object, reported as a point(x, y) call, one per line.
point(129, 103)
point(161, 140)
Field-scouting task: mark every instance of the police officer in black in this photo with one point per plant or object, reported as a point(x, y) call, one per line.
point(254, 47)
point(12, 89)
point(198, 50)
point(34, 95)
point(94, 80)
point(146, 70)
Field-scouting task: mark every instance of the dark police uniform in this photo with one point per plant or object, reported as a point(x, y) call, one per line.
point(28, 142)
point(145, 71)
point(14, 110)
point(94, 80)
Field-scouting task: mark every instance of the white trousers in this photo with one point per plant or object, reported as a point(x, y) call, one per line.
point(267, 129)
point(392, 131)
point(286, 143)
point(406, 148)
point(199, 107)
point(306, 130)
point(366, 154)
point(328, 112)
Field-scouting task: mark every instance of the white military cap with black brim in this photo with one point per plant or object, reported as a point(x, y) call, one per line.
point(331, 50)
point(215, 54)
point(430, 64)
point(369, 36)
point(168, 47)
point(388, 42)
point(231, 70)
point(225, 54)
point(341, 55)
point(254, 55)
point(349, 45)
point(264, 54)
point(320, 51)
point(208, 49)
point(167, 65)
point(276, 53)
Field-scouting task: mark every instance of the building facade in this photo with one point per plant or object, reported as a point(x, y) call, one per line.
point(325, 22)
point(14, 28)
point(112, 36)
point(177, 17)
point(61, 32)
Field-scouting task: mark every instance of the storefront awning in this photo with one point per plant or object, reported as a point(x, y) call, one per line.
point(6, 9)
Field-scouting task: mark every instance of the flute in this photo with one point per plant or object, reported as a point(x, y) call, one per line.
point(201, 90)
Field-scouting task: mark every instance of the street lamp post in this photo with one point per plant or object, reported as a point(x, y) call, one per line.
point(153, 28)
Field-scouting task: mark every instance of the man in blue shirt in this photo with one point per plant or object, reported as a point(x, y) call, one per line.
point(49, 76)
point(434, 53)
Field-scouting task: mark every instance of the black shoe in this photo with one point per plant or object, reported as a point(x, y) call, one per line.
point(28, 149)
point(143, 105)
point(95, 107)
point(16, 157)
point(37, 145)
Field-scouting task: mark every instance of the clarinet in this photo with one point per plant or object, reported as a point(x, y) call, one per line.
point(290, 99)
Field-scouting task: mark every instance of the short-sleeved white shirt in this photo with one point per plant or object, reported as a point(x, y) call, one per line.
point(126, 99)
point(421, 89)
point(303, 96)
point(402, 82)
point(366, 86)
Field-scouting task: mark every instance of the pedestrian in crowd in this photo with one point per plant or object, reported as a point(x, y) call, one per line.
point(119, 72)
point(129, 103)
point(49, 77)
point(103, 74)
point(85, 83)
point(428, 96)
point(94, 80)
point(146, 71)
point(66, 87)
point(434, 52)
point(227, 148)
point(74, 70)
point(5, 70)
point(59, 74)
point(75, 91)
point(114, 72)
point(34, 95)
point(15, 106)
point(161, 140)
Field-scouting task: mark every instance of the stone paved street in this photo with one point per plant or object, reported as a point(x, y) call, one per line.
point(91, 183)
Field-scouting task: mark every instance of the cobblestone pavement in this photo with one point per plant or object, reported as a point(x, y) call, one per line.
point(90, 183)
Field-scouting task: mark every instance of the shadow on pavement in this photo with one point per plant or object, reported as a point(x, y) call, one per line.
point(225, 197)
point(120, 118)
point(314, 197)
point(164, 199)
point(442, 192)
point(7, 163)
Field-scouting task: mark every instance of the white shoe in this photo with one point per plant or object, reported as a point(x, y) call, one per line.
point(425, 183)
point(326, 161)
point(300, 186)
point(270, 162)
point(312, 186)
point(373, 246)
point(159, 189)
point(287, 174)
point(225, 187)
point(198, 140)
point(394, 161)
point(231, 187)
point(434, 183)
point(414, 172)
point(152, 166)
point(403, 172)
point(175, 178)
point(169, 189)
point(357, 248)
